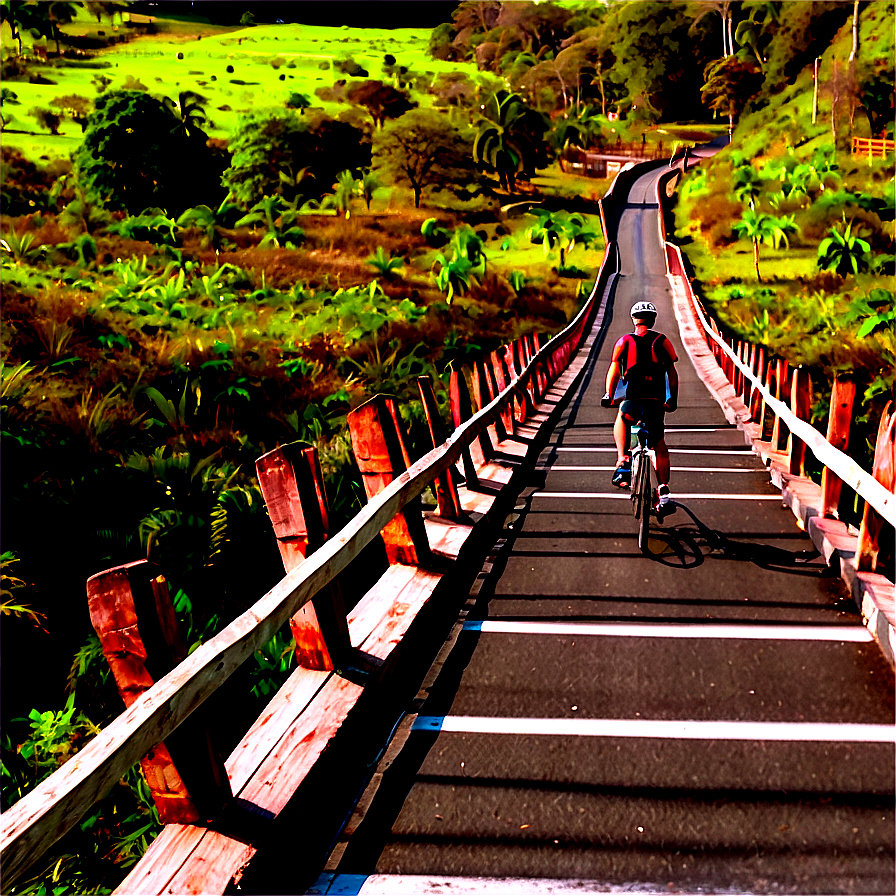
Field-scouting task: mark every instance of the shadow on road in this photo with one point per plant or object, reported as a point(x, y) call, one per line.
point(685, 546)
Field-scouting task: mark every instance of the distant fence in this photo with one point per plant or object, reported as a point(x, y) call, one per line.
point(873, 149)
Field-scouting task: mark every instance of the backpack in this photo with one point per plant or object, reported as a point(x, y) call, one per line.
point(643, 373)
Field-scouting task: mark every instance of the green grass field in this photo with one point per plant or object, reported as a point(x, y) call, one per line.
point(269, 63)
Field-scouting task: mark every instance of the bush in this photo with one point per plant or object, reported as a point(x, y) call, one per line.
point(229, 69)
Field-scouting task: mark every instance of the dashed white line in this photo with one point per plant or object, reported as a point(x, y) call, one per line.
point(678, 496)
point(852, 633)
point(678, 729)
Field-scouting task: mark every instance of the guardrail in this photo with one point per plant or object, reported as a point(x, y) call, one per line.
point(509, 389)
point(764, 382)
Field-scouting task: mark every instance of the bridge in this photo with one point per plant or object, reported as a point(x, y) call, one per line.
point(522, 701)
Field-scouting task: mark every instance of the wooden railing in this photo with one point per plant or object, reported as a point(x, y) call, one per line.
point(779, 395)
point(510, 389)
point(874, 149)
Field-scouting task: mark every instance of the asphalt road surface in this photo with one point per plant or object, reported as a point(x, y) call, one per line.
point(697, 720)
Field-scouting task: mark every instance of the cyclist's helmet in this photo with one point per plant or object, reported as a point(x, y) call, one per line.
point(644, 311)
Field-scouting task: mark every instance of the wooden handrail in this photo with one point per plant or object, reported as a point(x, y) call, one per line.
point(857, 478)
point(44, 815)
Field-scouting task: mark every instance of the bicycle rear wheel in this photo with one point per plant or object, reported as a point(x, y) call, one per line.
point(645, 490)
point(635, 486)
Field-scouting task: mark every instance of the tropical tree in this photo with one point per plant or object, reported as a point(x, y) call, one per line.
point(381, 100)
point(762, 228)
point(344, 190)
point(131, 158)
point(562, 230)
point(723, 8)
point(300, 101)
point(190, 114)
point(844, 251)
point(509, 137)
point(423, 151)
point(748, 184)
point(368, 185)
point(729, 85)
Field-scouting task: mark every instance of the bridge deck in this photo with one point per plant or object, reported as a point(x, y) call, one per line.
point(694, 719)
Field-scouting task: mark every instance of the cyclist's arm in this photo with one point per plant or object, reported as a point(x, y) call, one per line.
point(614, 373)
point(672, 375)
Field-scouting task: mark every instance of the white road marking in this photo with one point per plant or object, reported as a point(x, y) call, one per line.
point(677, 496)
point(572, 469)
point(742, 452)
point(663, 729)
point(853, 633)
point(388, 884)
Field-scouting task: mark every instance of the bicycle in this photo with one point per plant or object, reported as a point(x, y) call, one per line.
point(641, 485)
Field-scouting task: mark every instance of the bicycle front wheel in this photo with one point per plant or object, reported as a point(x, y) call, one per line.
point(645, 490)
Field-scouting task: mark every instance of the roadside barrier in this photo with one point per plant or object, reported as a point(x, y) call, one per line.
point(775, 399)
point(500, 406)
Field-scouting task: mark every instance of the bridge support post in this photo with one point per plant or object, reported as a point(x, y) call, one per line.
point(780, 432)
point(884, 471)
point(800, 405)
point(292, 485)
point(475, 456)
point(444, 484)
point(381, 456)
point(132, 613)
point(843, 399)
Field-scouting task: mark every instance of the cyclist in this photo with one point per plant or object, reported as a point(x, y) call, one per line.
point(645, 362)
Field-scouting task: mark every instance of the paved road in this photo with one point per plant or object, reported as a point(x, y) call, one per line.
point(695, 720)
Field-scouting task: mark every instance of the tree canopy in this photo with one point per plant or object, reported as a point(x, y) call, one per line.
point(424, 151)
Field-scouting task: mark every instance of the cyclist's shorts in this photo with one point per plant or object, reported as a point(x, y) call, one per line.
point(648, 410)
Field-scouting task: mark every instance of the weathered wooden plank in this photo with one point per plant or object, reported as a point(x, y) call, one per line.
point(401, 614)
point(287, 765)
point(381, 456)
point(285, 707)
point(368, 612)
point(212, 864)
point(446, 538)
point(292, 485)
point(166, 854)
point(132, 613)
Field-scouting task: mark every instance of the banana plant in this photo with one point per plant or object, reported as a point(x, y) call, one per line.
point(844, 252)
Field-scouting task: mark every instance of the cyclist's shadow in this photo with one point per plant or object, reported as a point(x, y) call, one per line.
point(685, 546)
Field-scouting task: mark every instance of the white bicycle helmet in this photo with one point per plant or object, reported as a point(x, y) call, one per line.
point(639, 309)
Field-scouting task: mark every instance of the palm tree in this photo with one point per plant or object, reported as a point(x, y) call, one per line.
point(189, 112)
point(723, 8)
point(345, 189)
point(748, 185)
point(369, 184)
point(506, 138)
point(562, 230)
point(760, 227)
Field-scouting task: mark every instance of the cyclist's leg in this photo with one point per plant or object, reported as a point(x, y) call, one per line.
point(663, 465)
point(621, 436)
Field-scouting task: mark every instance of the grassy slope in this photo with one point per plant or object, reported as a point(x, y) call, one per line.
point(153, 61)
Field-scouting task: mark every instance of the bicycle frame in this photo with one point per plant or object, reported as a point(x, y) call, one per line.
point(643, 461)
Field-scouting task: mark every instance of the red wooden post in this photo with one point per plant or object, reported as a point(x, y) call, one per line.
point(757, 402)
point(292, 485)
point(475, 455)
point(484, 391)
point(381, 457)
point(843, 397)
point(780, 431)
point(443, 485)
point(500, 385)
point(800, 405)
point(884, 471)
point(132, 613)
